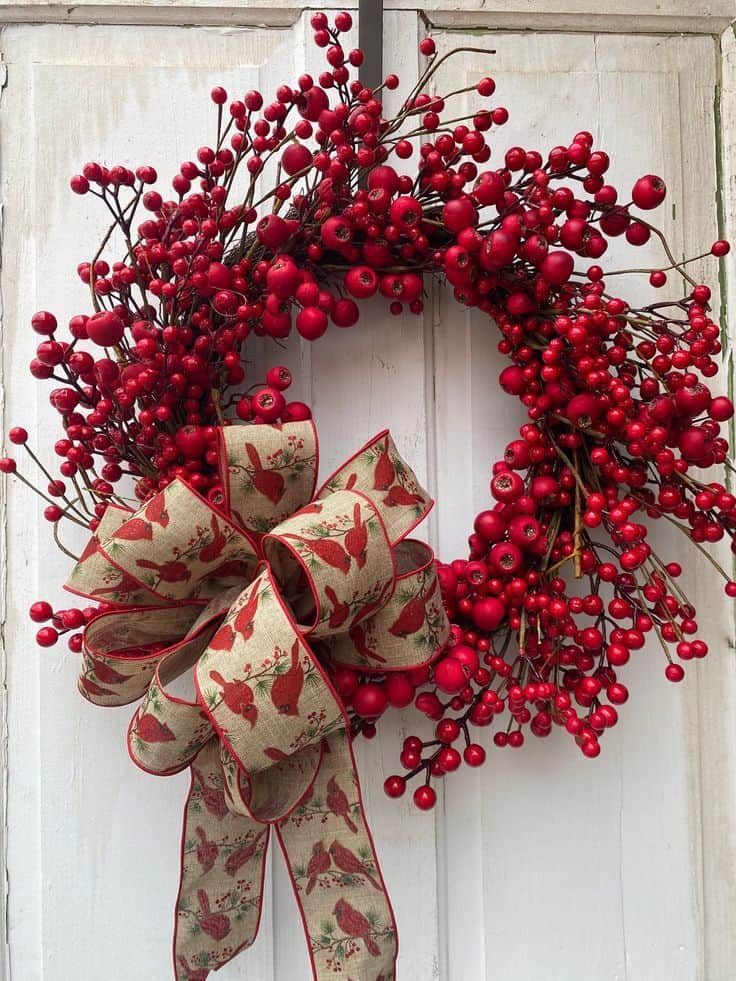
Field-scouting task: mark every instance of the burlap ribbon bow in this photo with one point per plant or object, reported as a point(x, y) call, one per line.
point(254, 593)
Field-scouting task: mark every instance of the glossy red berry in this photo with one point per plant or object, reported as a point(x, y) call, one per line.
point(41, 611)
point(105, 329)
point(268, 404)
point(649, 192)
point(394, 786)
point(425, 797)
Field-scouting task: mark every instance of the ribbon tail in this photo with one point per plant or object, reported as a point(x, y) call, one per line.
point(223, 859)
point(344, 905)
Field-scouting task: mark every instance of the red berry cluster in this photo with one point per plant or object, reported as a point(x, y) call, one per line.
point(620, 418)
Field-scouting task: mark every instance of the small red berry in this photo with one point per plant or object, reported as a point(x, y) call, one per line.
point(425, 797)
point(674, 672)
point(47, 637)
point(41, 611)
point(394, 786)
point(278, 377)
point(268, 404)
point(105, 329)
point(44, 322)
point(18, 435)
point(649, 192)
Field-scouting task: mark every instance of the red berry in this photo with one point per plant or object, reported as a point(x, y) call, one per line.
point(649, 192)
point(720, 408)
point(268, 404)
point(425, 797)
point(105, 329)
point(406, 212)
point(41, 611)
point(488, 614)
point(557, 267)
point(427, 46)
point(394, 786)
point(450, 676)
point(44, 322)
point(311, 322)
point(18, 435)
point(346, 682)
point(191, 442)
point(345, 313)
point(674, 672)
point(278, 377)
point(361, 282)
point(370, 701)
point(296, 157)
point(399, 690)
point(474, 755)
point(46, 637)
point(79, 184)
point(296, 412)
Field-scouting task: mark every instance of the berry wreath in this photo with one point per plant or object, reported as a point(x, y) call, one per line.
point(303, 613)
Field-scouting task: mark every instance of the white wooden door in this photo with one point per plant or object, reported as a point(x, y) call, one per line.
point(542, 866)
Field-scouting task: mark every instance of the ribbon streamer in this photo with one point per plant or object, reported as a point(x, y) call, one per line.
point(251, 593)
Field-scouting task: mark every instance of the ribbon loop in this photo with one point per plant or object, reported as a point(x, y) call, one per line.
point(339, 548)
point(268, 472)
point(262, 688)
point(235, 594)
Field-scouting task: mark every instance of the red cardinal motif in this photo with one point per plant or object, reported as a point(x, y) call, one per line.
point(340, 611)
point(108, 675)
point(349, 862)
point(217, 925)
point(150, 730)
point(400, 496)
point(385, 472)
point(134, 530)
point(237, 859)
point(332, 553)
point(318, 863)
point(287, 687)
point(91, 688)
point(243, 624)
point(357, 538)
point(215, 548)
point(238, 696)
point(156, 511)
point(212, 798)
point(354, 924)
point(89, 549)
point(207, 851)
point(410, 619)
point(171, 571)
point(266, 482)
point(197, 974)
point(357, 635)
point(245, 618)
point(337, 802)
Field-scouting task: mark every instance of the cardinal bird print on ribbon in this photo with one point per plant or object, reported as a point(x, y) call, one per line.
point(243, 591)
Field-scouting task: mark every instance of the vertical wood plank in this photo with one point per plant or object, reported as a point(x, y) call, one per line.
point(541, 828)
point(94, 846)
